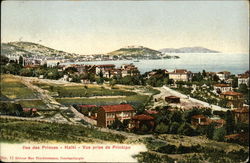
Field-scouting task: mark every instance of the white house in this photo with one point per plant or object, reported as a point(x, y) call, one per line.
point(181, 75)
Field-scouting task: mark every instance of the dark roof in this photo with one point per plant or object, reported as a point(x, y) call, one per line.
point(172, 97)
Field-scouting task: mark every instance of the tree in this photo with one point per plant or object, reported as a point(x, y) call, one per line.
point(235, 82)
point(219, 134)
point(21, 61)
point(174, 128)
point(204, 74)
point(243, 88)
point(161, 128)
point(176, 116)
point(117, 125)
point(229, 122)
point(216, 78)
point(186, 129)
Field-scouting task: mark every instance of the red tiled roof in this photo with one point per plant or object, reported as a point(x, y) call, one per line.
point(220, 121)
point(241, 136)
point(198, 116)
point(231, 93)
point(28, 109)
point(142, 117)
point(152, 111)
point(180, 71)
point(117, 108)
point(241, 110)
point(222, 85)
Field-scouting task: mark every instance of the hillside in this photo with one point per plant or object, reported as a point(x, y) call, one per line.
point(135, 51)
point(188, 50)
point(29, 49)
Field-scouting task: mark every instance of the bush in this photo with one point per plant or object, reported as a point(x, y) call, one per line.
point(219, 134)
point(161, 128)
point(174, 128)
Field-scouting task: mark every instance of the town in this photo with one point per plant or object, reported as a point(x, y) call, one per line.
point(214, 104)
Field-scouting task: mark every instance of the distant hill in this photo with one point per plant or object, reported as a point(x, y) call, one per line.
point(28, 49)
point(134, 51)
point(188, 50)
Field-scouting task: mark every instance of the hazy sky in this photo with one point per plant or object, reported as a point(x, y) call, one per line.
point(87, 27)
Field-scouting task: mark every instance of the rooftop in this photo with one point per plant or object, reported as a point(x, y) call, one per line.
point(117, 108)
point(142, 117)
point(231, 93)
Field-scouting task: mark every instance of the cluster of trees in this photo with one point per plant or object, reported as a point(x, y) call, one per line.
point(13, 109)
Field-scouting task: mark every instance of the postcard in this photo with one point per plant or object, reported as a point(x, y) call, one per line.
point(124, 81)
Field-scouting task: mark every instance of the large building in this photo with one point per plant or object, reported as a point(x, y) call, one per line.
point(223, 75)
point(234, 99)
point(241, 114)
point(107, 114)
point(221, 88)
point(129, 70)
point(181, 75)
point(243, 79)
point(103, 68)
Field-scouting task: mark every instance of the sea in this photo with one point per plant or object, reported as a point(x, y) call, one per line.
point(195, 62)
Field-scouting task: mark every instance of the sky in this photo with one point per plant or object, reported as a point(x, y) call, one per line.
point(94, 27)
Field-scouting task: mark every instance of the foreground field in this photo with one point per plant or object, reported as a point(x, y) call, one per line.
point(198, 149)
point(14, 131)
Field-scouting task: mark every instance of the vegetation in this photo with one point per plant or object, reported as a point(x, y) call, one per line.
point(137, 101)
point(13, 88)
point(83, 91)
point(34, 131)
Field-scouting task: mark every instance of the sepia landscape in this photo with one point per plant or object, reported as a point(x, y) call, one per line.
point(183, 103)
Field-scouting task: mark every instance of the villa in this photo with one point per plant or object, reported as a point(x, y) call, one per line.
point(181, 75)
point(107, 114)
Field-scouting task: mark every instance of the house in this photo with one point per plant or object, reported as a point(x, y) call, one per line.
point(181, 75)
point(138, 121)
point(30, 111)
point(223, 75)
point(242, 138)
point(151, 112)
point(241, 114)
point(110, 73)
point(102, 68)
point(243, 79)
point(235, 99)
point(220, 88)
point(85, 69)
point(201, 120)
point(172, 99)
point(129, 70)
point(107, 114)
point(53, 62)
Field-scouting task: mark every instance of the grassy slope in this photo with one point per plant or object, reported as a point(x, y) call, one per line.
point(33, 131)
point(14, 89)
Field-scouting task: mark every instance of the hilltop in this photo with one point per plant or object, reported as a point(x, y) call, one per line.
point(30, 49)
point(188, 50)
point(134, 50)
